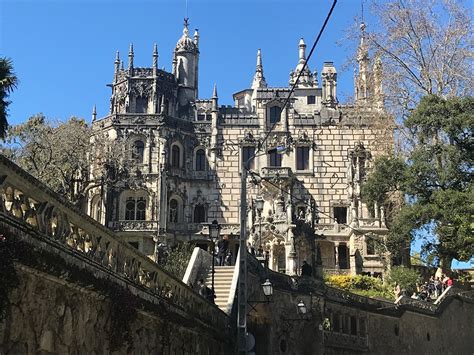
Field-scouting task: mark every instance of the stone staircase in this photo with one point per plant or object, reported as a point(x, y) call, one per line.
point(222, 284)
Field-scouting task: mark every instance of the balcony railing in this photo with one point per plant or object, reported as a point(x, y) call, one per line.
point(271, 172)
point(134, 225)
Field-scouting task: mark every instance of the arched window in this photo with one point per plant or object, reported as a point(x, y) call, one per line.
point(135, 209)
point(138, 150)
point(200, 160)
point(130, 209)
point(199, 214)
point(275, 113)
point(175, 156)
point(96, 208)
point(173, 211)
point(141, 209)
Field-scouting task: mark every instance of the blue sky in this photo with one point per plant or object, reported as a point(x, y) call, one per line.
point(63, 50)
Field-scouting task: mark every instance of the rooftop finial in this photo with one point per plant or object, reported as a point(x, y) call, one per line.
point(117, 63)
point(302, 50)
point(155, 59)
point(130, 58)
point(94, 113)
point(214, 91)
point(259, 79)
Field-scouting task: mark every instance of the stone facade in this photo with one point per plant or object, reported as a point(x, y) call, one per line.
point(188, 154)
point(338, 322)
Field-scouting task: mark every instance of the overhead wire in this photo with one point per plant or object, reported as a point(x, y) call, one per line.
point(260, 144)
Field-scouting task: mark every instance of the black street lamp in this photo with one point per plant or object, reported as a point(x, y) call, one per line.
point(214, 235)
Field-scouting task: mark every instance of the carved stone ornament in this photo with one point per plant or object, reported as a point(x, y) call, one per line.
point(141, 89)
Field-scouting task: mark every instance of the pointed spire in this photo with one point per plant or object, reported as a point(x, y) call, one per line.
point(214, 99)
point(258, 78)
point(130, 58)
point(302, 51)
point(306, 78)
point(155, 59)
point(94, 113)
point(116, 65)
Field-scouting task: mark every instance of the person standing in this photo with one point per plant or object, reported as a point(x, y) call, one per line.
point(306, 269)
point(223, 246)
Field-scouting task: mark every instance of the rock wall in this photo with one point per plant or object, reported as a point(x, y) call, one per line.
point(48, 315)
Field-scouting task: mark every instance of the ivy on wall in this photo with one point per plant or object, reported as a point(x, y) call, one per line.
point(8, 277)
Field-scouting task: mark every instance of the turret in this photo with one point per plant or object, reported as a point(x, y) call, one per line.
point(185, 68)
point(306, 79)
point(258, 78)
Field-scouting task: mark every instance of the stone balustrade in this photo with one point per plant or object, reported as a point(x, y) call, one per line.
point(50, 219)
point(276, 172)
point(134, 225)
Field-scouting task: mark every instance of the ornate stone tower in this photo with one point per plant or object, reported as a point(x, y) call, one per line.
point(185, 69)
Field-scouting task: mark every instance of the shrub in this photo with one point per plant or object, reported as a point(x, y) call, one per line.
point(360, 284)
point(407, 278)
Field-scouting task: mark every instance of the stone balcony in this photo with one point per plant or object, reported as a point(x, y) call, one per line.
point(129, 226)
point(276, 172)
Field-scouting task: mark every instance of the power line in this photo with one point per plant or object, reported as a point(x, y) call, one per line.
point(260, 145)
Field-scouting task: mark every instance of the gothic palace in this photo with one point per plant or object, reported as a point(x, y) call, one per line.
point(188, 153)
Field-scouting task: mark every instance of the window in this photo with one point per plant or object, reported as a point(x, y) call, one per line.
point(340, 215)
point(247, 153)
point(137, 151)
point(370, 245)
point(141, 104)
point(353, 325)
point(135, 209)
point(275, 159)
point(173, 212)
point(200, 160)
point(175, 156)
point(130, 209)
point(275, 113)
point(141, 209)
point(201, 117)
point(199, 214)
point(302, 158)
point(311, 100)
point(301, 212)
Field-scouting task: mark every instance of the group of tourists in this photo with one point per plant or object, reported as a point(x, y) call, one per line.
point(428, 291)
point(432, 289)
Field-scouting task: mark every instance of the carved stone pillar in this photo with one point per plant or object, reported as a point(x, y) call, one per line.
point(336, 254)
point(290, 254)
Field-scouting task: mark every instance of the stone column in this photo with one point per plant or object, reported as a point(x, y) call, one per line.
point(336, 254)
point(290, 254)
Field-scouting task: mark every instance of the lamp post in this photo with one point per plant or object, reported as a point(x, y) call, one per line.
point(259, 202)
point(214, 235)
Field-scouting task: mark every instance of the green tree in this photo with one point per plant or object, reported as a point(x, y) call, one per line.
point(435, 180)
point(405, 277)
point(8, 82)
point(55, 153)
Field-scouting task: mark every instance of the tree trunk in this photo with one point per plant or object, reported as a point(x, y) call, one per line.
point(444, 266)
